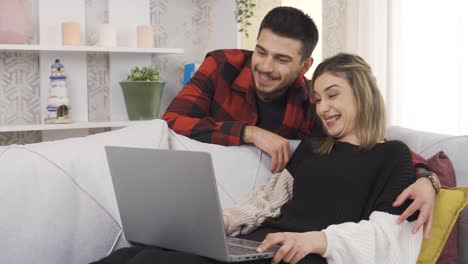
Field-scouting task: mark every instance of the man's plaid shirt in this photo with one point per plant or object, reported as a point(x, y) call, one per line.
point(219, 101)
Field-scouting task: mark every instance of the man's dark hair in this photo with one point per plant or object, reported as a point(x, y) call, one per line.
point(292, 23)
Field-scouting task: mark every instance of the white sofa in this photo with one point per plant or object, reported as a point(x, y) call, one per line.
point(59, 204)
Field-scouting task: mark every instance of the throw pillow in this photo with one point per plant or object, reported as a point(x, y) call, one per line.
point(448, 206)
point(442, 166)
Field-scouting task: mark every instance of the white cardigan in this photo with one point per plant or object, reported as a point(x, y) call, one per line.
point(377, 240)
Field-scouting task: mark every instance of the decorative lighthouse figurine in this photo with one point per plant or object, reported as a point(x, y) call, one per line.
point(58, 103)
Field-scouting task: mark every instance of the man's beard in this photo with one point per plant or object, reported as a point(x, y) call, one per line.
point(273, 95)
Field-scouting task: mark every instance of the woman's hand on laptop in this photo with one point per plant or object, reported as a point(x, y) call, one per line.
point(294, 246)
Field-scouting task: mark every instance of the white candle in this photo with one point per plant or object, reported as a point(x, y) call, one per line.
point(145, 36)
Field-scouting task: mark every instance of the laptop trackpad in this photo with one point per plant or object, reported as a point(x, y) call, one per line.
point(239, 246)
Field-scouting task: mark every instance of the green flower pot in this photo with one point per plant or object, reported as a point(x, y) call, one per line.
point(142, 99)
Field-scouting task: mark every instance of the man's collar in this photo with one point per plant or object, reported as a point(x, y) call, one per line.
point(300, 84)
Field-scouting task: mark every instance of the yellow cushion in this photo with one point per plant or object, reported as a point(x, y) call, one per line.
point(448, 205)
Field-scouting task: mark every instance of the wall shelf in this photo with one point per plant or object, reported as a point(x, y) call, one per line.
point(77, 125)
point(5, 47)
point(118, 60)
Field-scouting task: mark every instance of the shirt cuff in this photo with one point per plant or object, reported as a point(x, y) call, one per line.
point(423, 165)
point(329, 249)
point(242, 134)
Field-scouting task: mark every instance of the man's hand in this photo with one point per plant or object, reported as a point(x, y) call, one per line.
point(423, 195)
point(295, 246)
point(272, 144)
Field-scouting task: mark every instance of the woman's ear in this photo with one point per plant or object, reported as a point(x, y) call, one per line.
point(306, 65)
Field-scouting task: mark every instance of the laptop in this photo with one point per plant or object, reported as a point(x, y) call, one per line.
point(169, 199)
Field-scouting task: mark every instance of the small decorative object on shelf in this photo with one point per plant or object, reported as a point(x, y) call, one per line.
point(71, 34)
point(145, 36)
point(58, 103)
point(142, 92)
point(189, 71)
point(107, 36)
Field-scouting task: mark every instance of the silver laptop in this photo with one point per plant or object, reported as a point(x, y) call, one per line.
point(169, 199)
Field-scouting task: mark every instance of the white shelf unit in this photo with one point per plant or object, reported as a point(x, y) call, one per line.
point(121, 59)
point(77, 125)
point(7, 47)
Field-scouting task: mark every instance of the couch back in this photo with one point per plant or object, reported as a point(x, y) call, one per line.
point(456, 148)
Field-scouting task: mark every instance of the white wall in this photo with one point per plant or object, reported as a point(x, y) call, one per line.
point(224, 35)
point(261, 9)
point(314, 9)
point(197, 26)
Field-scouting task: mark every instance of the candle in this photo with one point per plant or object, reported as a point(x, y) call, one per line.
point(145, 36)
point(107, 36)
point(71, 33)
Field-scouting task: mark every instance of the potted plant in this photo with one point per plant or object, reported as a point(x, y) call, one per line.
point(142, 92)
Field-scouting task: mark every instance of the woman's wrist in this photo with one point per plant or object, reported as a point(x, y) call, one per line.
point(319, 242)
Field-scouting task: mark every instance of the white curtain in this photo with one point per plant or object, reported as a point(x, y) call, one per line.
point(434, 66)
point(418, 50)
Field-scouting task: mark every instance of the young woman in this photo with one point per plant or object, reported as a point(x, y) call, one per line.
point(333, 201)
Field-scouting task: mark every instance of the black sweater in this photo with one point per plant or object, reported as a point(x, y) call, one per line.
point(345, 186)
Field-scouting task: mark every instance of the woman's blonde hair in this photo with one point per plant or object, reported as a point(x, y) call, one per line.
point(370, 122)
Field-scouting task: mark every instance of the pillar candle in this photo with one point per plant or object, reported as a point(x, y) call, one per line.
point(107, 36)
point(145, 36)
point(71, 33)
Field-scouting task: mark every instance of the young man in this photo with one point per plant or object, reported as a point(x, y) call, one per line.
point(258, 97)
point(262, 98)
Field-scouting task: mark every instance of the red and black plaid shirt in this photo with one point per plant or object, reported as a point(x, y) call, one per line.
point(219, 101)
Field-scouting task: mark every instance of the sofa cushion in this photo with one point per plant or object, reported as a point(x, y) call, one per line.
point(448, 205)
point(58, 201)
point(442, 166)
point(49, 217)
